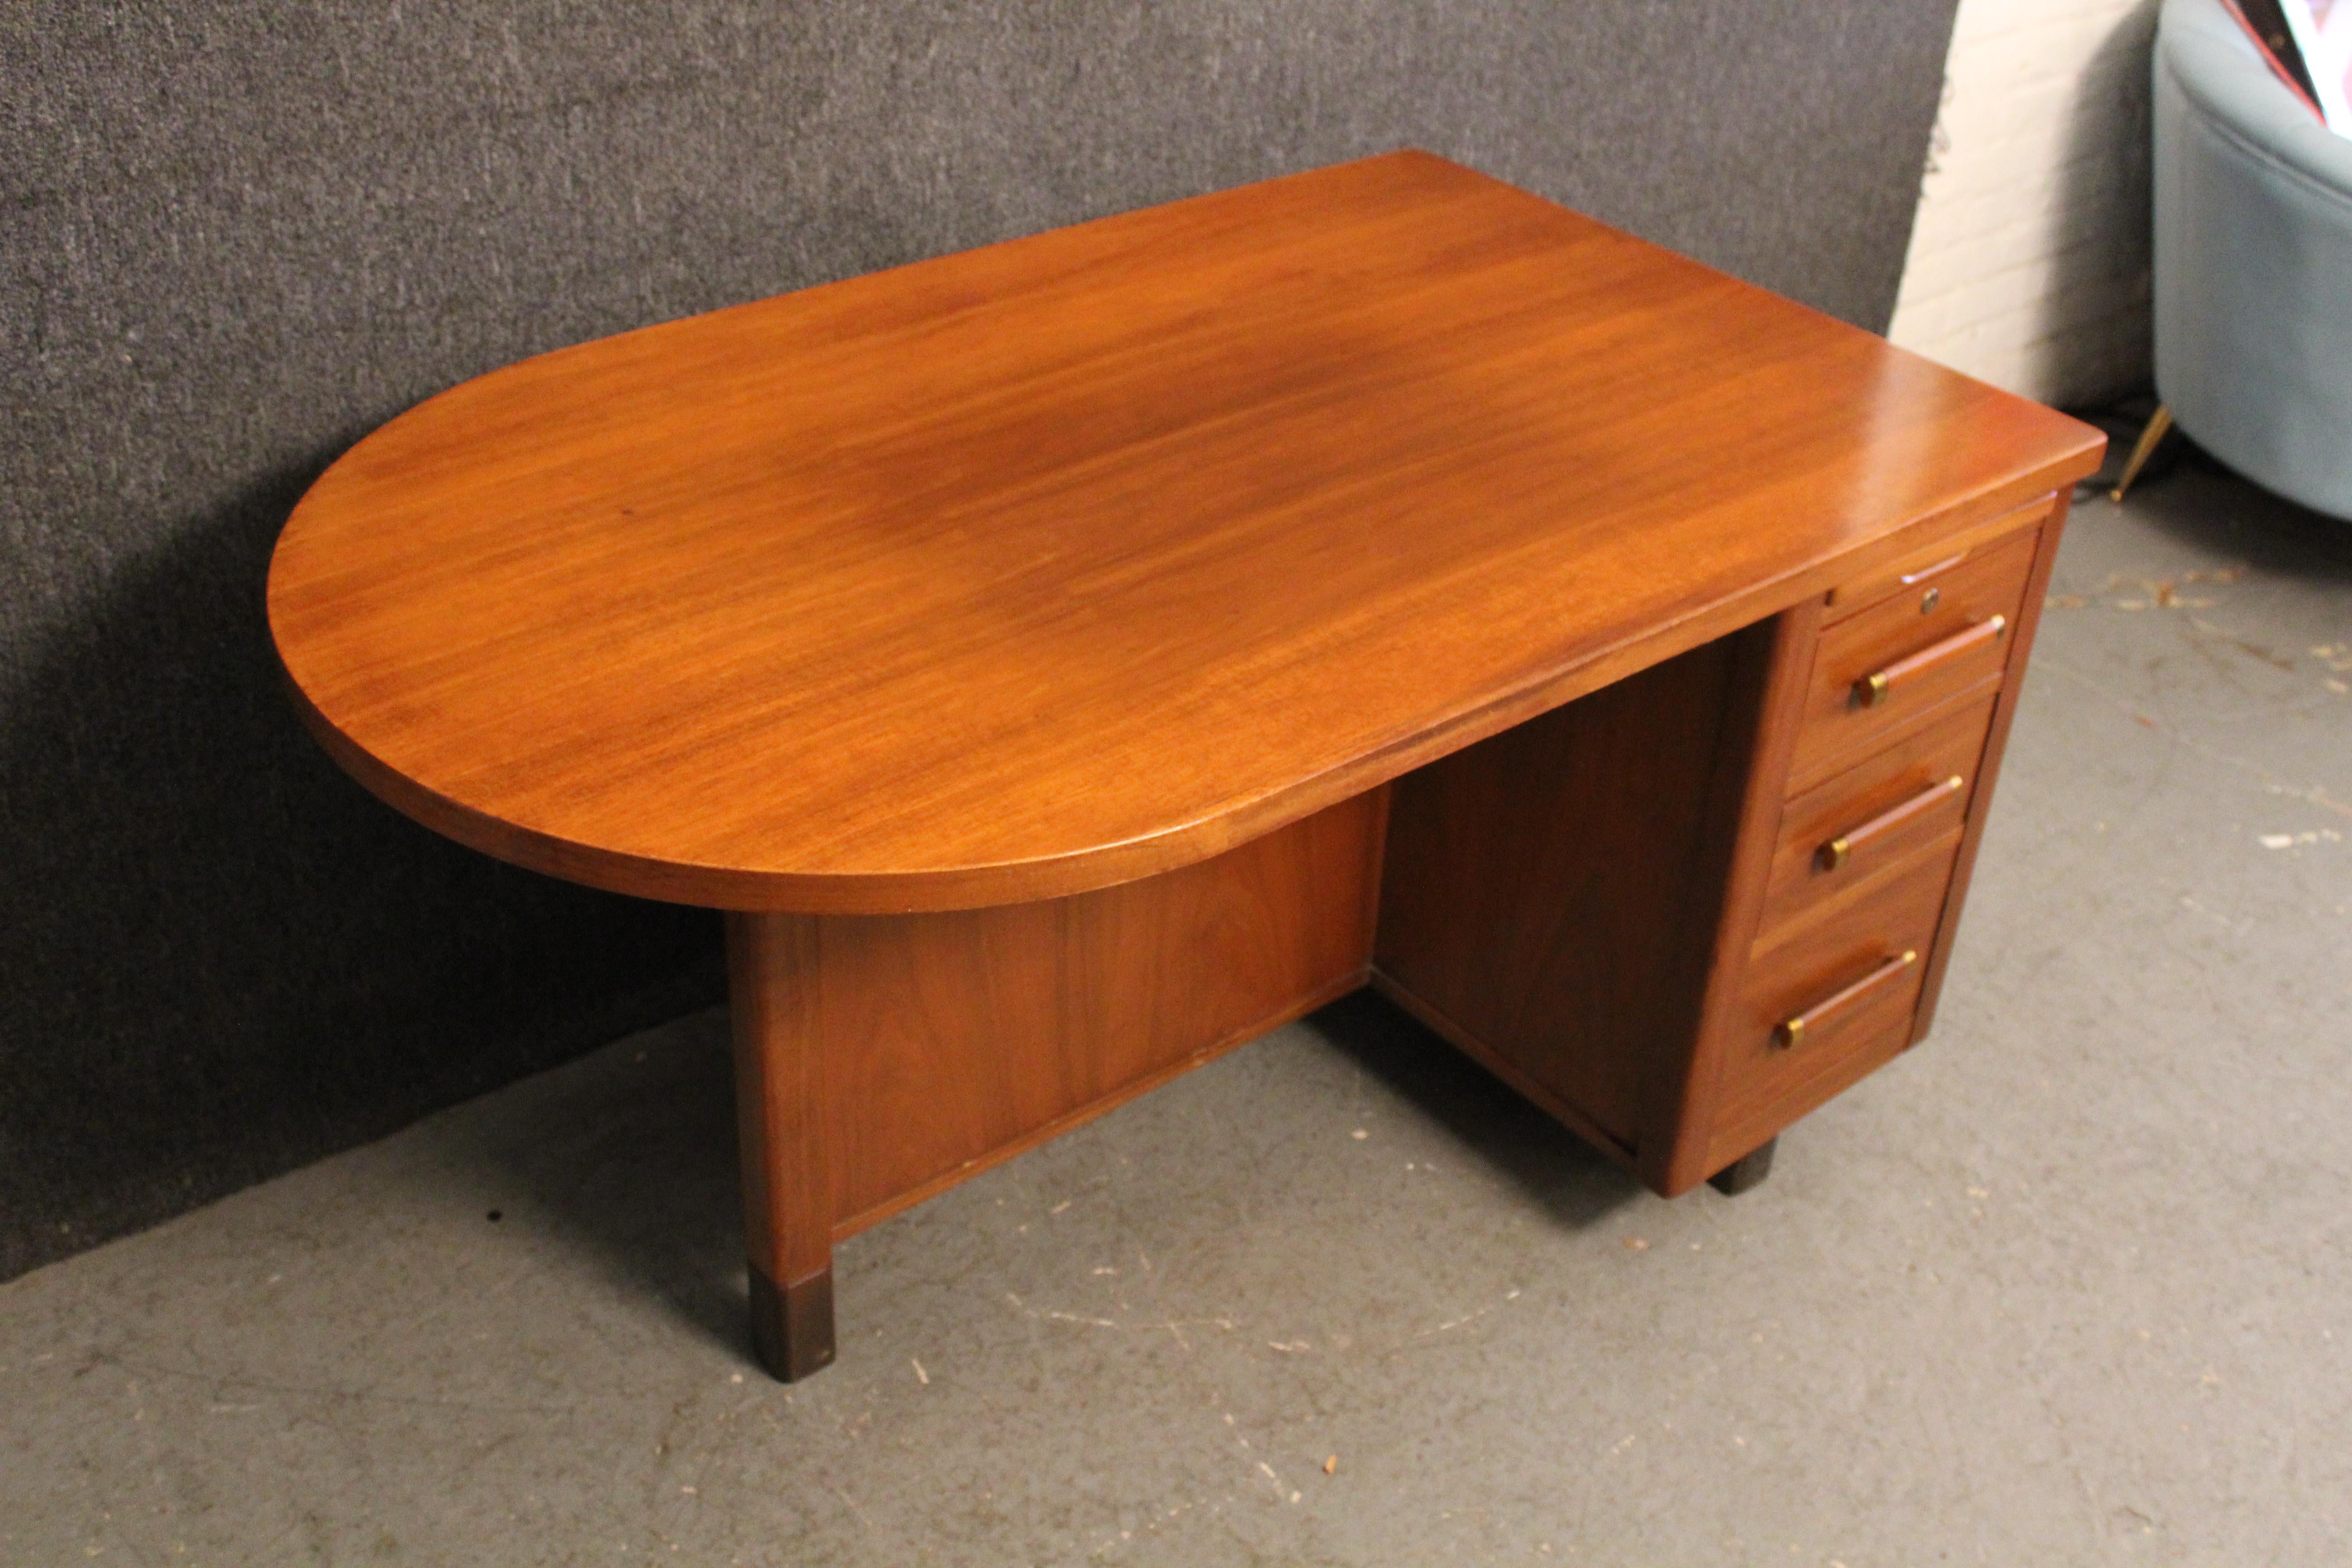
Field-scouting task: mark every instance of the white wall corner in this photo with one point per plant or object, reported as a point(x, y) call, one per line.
point(2029, 262)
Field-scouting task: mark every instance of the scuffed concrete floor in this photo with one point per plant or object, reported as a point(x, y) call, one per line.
point(2069, 1284)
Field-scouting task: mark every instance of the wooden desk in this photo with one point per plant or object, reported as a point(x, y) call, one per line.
point(1069, 659)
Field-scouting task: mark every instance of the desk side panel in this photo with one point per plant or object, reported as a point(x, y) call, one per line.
point(2029, 621)
point(1549, 900)
point(955, 1040)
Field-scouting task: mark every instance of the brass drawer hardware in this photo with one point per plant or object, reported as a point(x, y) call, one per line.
point(1833, 855)
point(1792, 1031)
point(1876, 688)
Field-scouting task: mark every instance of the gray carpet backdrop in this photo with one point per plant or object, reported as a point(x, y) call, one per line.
point(234, 238)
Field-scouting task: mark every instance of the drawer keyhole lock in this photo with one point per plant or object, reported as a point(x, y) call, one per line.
point(1929, 599)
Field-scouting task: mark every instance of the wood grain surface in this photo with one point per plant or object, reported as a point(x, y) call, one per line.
point(1041, 567)
point(1686, 1082)
point(1931, 657)
point(955, 1040)
point(1545, 890)
point(881, 1059)
point(1912, 769)
point(2004, 714)
point(780, 1139)
point(1800, 966)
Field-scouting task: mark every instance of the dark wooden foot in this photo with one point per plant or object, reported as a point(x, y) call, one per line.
point(792, 1329)
point(1747, 1171)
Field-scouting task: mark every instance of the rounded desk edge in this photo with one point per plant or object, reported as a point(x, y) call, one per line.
point(1088, 867)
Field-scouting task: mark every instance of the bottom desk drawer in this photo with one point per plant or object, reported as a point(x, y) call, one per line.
point(1823, 993)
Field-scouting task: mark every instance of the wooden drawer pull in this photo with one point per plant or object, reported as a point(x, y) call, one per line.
point(1878, 687)
point(1833, 855)
point(1790, 1033)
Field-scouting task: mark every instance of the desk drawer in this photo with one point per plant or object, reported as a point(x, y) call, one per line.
point(1823, 990)
point(1934, 639)
point(1842, 832)
point(1922, 569)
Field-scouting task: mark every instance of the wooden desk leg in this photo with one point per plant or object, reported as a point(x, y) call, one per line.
point(779, 1117)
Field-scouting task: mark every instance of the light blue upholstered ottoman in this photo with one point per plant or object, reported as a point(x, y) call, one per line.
point(2253, 263)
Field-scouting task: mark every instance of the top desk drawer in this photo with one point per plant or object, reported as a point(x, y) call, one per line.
point(1935, 637)
point(1919, 570)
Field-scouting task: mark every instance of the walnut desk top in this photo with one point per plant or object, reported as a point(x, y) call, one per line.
point(1080, 557)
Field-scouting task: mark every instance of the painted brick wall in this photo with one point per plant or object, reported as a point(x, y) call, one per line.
point(2029, 264)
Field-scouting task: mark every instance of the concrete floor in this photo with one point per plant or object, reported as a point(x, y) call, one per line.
point(2069, 1284)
